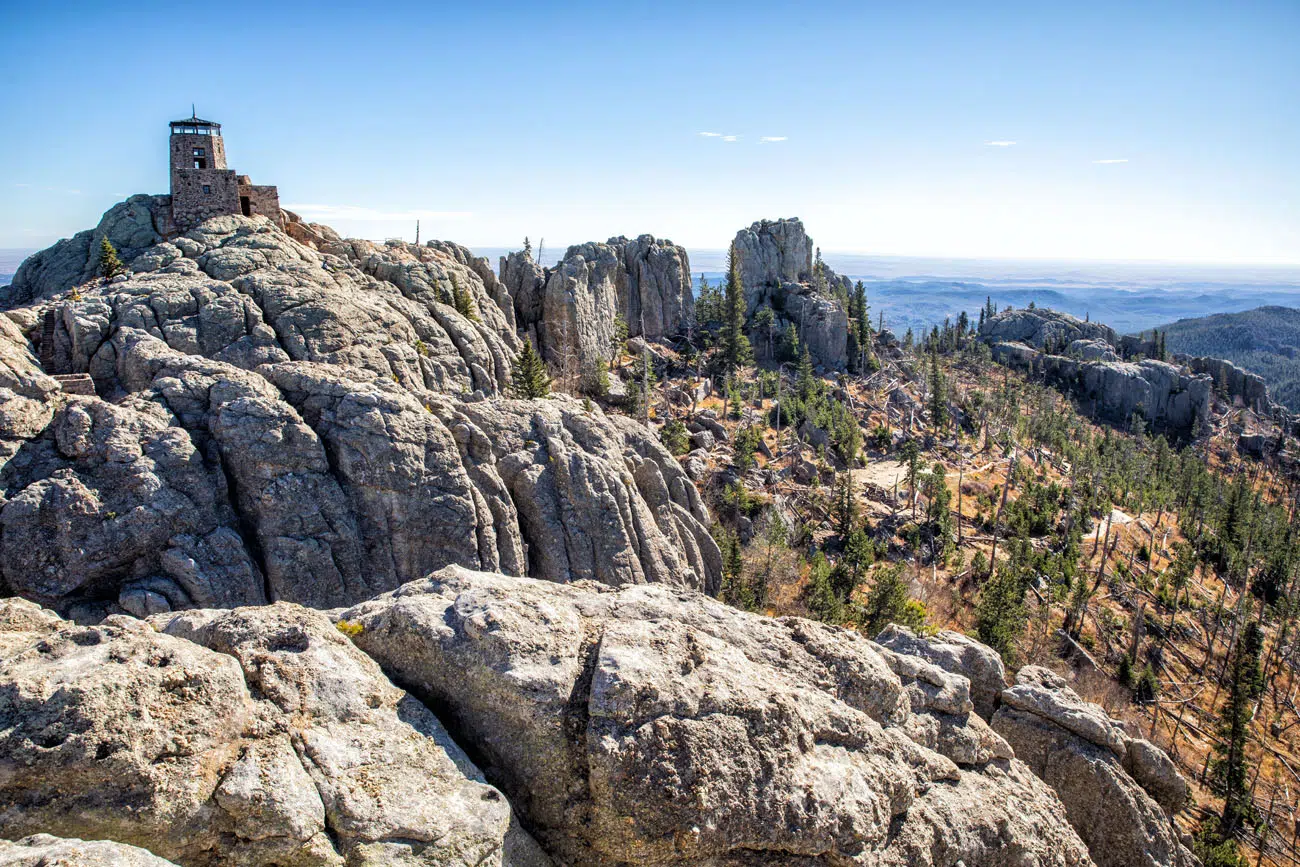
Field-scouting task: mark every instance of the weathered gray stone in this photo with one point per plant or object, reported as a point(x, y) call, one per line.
point(1039, 326)
point(42, 850)
point(293, 422)
point(571, 309)
point(958, 654)
point(655, 726)
point(259, 736)
point(1077, 750)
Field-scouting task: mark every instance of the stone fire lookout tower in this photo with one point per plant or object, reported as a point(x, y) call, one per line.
point(202, 186)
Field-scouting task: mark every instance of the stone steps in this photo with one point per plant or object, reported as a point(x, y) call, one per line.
point(76, 383)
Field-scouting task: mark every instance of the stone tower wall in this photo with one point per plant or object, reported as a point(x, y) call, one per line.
point(201, 193)
point(262, 199)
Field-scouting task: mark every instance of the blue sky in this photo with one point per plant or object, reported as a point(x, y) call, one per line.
point(1164, 131)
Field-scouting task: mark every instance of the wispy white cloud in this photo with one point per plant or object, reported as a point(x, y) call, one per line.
point(999, 143)
point(22, 185)
point(710, 134)
point(357, 212)
point(772, 138)
point(730, 138)
point(1108, 162)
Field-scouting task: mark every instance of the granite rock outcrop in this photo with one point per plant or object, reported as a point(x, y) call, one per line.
point(312, 420)
point(650, 725)
point(571, 309)
point(1116, 788)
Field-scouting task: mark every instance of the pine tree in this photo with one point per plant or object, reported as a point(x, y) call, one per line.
point(938, 395)
point(619, 338)
point(806, 381)
point(765, 320)
point(889, 602)
point(530, 380)
point(1231, 767)
point(462, 300)
point(1000, 614)
point(736, 350)
point(846, 505)
point(109, 263)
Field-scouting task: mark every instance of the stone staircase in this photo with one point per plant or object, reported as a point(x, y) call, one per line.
point(76, 383)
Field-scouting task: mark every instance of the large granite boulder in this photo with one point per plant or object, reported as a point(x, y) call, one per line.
point(1040, 326)
point(1163, 394)
point(1074, 747)
point(656, 726)
point(1159, 392)
point(43, 850)
point(777, 269)
point(771, 253)
point(1249, 387)
point(571, 309)
point(956, 653)
point(259, 736)
point(132, 227)
point(314, 423)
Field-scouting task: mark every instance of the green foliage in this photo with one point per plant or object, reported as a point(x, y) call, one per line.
point(889, 602)
point(110, 265)
point(597, 381)
point(736, 350)
point(530, 380)
point(820, 596)
point(1000, 614)
point(1215, 851)
point(743, 446)
point(1231, 767)
point(619, 338)
point(350, 628)
point(462, 300)
point(938, 395)
point(675, 437)
point(709, 305)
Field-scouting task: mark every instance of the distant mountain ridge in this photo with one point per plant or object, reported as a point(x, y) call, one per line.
point(1265, 341)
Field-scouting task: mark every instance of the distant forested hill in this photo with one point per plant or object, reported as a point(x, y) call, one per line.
point(1265, 340)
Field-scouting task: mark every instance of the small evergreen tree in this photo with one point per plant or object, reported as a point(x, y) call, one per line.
point(462, 300)
point(619, 338)
point(938, 395)
point(736, 350)
point(1231, 766)
point(109, 263)
point(530, 380)
point(889, 602)
point(1000, 615)
point(675, 437)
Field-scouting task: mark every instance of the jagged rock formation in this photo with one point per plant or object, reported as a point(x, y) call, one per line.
point(260, 736)
point(1092, 350)
point(1037, 327)
point(1249, 387)
point(654, 726)
point(43, 850)
point(571, 309)
point(130, 226)
point(775, 258)
point(1113, 786)
point(956, 654)
point(1164, 394)
point(310, 423)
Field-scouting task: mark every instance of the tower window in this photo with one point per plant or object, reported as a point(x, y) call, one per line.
point(200, 163)
point(200, 152)
point(207, 189)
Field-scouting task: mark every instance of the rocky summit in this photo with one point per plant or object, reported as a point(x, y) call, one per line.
point(300, 574)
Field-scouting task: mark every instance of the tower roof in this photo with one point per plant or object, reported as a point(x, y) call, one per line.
point(195, 121)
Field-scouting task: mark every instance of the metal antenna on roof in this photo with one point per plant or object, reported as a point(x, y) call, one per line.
point(193, 112)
